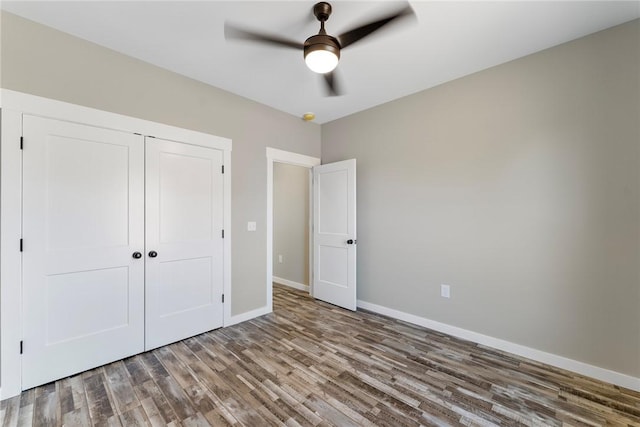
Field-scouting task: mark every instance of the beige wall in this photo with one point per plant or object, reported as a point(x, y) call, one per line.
point(519, 186)
point(291, 222)
point(45, 62)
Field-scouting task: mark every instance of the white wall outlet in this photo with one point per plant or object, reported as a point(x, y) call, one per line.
point(251, 226)
point(280, 259)
point(445, 291)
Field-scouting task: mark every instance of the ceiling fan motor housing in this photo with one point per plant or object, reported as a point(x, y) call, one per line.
point(322, 42)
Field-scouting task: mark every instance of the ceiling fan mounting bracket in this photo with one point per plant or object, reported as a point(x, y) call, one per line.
point(322, 11)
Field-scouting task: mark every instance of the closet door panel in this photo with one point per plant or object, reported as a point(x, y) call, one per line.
point(83, 213)
point(184, 207)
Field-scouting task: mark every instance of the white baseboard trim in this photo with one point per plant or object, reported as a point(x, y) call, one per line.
point(243, 317)
point(291, 284)
point(582, 368)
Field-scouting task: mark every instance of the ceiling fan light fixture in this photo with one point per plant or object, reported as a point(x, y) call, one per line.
point(321, 61)
point(321, 53)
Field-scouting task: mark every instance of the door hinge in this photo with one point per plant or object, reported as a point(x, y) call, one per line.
point(21, 347)
point(223, 234)
point(21, 142)
point(222, 168)
point(20, 245)
point(222, 297)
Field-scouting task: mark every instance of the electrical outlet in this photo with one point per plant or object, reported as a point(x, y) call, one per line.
point(251, 226)
point(280, 259)
point(445, 291)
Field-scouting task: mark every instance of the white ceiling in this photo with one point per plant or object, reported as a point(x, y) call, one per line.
point(448, 40)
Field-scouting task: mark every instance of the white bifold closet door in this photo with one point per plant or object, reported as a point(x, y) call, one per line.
point(83, 218)
point(122, 245)
point(184, 222)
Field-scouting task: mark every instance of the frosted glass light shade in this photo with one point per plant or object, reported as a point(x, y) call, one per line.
point(321, 61)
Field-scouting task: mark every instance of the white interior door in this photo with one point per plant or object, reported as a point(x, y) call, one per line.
point(184, 222)
point(83, 213)
point(334, 236)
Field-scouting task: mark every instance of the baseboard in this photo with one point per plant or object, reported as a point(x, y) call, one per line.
point(582, 368)
point(243, 317)
point(291, 284)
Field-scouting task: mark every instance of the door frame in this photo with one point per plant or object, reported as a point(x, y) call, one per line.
point(13, 105)
point(280, 156)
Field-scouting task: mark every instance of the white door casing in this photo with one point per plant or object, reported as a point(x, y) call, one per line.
point(334, 236)
point(184, 223)
point(83, 219)
point(280, 156)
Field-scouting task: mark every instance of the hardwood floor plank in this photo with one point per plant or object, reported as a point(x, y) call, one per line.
point(244, 413)
point(10, 411)
point(201, 398)
point(384, 416)
point(77, 418)
point(119, 383)
point(197, 420)
point(134, 417)
point(100, 409)
point(152, 365)
point(45, 409)
point(280, 412)
point(26, 416)
point(66, 398)
point(154, 403)
point(215, 383)
point(218, 418)
point(175, 397)
point(176, 368)
point(136, 369)
point(27, 398)
point(328, 412)
point(152, 412)
point(112, 421)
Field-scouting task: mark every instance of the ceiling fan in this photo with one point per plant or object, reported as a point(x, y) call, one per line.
point(321, 51)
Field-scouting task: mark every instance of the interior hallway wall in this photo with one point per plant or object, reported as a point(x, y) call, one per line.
point(291, 222)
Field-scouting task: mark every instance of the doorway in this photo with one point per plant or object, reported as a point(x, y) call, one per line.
point(276, 158)
point(291, 225)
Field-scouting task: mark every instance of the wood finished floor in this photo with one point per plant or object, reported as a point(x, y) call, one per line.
point(312, 364)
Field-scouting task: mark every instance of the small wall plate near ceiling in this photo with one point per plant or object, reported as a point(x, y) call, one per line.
point(307, 117)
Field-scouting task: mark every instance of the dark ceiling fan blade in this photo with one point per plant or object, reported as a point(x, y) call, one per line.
point(237, 33)
point(356, 34)
point(332, 84)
